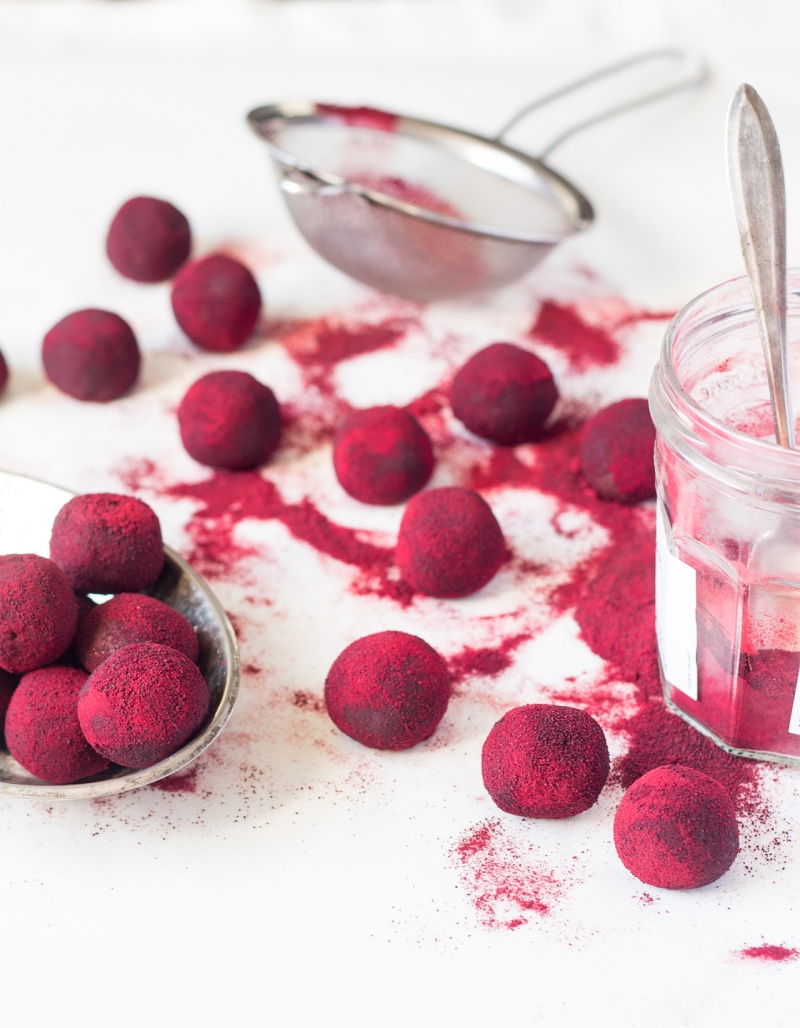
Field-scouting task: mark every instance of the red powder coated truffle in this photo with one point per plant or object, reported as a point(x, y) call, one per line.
point(3, 373)
point(132, 618)
point(388, 690)
point(106, 543)
point(42, 730)
point(229, 420)
point(449, 543)
point(616, 452)
point(38, 612)
point(543, 760)
point(148, 239)
point(382, 455)
point(676, 828)
point(92, 355)
point(142, 704)
point(216, 302)
point(505, 394)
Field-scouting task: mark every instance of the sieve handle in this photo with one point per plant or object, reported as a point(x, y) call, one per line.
point(690, 70)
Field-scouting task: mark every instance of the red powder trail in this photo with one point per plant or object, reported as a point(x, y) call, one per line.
point(228, 498)
point(484, 661)
point(775, 954)
point(505, 887)
point(185, 781)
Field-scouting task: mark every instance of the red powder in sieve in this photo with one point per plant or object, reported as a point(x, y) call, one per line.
point(359, 117)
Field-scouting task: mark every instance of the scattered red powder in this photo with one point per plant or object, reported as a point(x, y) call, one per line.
point(359, 117)
point(584, 344)
point(775, 954)
point(484, 661)
point(505, 886)
point(307, 701)
point(408, 192)
point(182, 781)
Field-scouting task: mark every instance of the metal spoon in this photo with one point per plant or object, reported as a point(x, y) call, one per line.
point(755, 175)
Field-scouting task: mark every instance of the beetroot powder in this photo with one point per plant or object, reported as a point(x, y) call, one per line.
point(676, 829)
point(42, 729)
point(505, 394)
point(216, 302)
point(107, 543)
point(38, 612)
point(449, 543)
point(132, 618)
point(148, 239)
point(388, 690)
point(142, 704)
point(92, 355)
point(543, 760)
point(229, 420)
point(616, 452)
point(382, 455)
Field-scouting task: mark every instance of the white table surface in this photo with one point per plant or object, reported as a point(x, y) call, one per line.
point(309, 881)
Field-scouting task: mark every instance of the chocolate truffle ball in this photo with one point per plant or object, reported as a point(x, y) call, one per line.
point(148, 239)
point(388, 690)
point(449, 543)
point(92, 355)
point(42, 730)
point(382, 455)
point(216, 302)
point(106, 543)
point(505, 394)
point(132, 618)
point(228, 419)
point(38, 612)
point(142, 704)
point(676, 828)
point(616, 452)
point(543, 760)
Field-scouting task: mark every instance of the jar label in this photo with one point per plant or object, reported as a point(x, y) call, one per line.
point(676, 614)
point(794, 717)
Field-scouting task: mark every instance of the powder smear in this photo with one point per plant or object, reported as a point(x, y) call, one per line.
point(770, 954)
point(506, 887)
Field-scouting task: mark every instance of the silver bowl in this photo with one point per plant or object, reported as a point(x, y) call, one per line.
point(27, 510)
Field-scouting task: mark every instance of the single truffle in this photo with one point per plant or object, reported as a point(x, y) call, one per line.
point(148, 239)
point(142, 704)
point(92, 355)
point(505, 394)
point(543, 760)
point(388, 690)
point(616, 452)
point(132, 618)
point(42, 729)
point(106, 543)
point(676, 828)
point(228, 419)
point(382, 455)
point(216, 302)
point(449, 543)
point(3, 373)
point(38, 612)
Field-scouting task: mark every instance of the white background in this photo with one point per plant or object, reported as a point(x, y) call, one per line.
point(309, 881)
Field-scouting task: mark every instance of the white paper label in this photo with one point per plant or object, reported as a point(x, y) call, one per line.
point(676, 614)
point(794, 717)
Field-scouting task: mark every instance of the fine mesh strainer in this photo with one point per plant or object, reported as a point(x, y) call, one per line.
point(426, 211)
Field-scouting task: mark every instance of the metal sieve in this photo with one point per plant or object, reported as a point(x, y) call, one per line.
point(427, 211)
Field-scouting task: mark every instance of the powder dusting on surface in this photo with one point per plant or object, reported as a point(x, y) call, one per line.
point(505, 884)
point(770, 954)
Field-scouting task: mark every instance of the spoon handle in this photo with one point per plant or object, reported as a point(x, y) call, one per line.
point(755, 174)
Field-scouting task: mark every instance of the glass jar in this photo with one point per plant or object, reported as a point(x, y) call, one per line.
point(728, 528)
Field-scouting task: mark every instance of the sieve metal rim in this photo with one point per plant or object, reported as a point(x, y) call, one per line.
point(320, 182)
